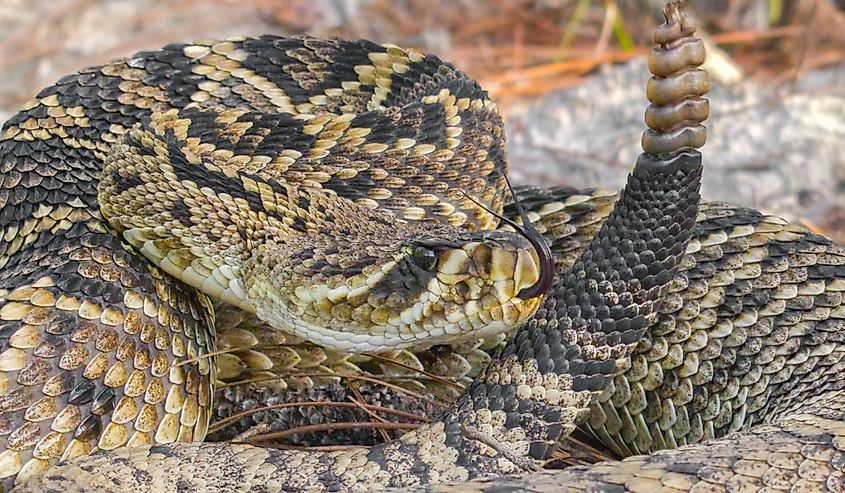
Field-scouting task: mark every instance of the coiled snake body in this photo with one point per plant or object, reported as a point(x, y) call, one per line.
point(250, 170)
point(102, 350)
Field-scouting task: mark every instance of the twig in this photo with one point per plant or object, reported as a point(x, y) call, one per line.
point(524, 463)
point(587, 453)
point(432, 376)
point(359, 402)
point(251, 432)
point(344, 425)
point(222, 423)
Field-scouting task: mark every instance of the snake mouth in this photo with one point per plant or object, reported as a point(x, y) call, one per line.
point(505, 266)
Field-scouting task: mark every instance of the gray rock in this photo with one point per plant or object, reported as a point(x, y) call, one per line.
point(777, 149)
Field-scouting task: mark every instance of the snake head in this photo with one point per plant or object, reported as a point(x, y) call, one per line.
point(426, 285)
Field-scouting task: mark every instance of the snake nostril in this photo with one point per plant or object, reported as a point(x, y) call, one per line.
point(462, 289)
point(481, 258)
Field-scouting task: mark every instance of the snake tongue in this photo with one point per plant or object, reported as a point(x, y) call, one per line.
point(545, 265)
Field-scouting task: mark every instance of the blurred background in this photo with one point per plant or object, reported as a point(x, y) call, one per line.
point(568, 74)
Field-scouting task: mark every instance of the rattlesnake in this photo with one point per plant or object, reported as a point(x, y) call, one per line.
point(88, 324)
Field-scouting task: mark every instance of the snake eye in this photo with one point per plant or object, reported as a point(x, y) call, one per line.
point(424, 257)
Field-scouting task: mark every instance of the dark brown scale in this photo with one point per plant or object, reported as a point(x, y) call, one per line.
point(104, 402)
point(89, 429)
point(82, 393)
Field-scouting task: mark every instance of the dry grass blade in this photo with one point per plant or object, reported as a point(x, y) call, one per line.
point(224, 422)
point(432, 376)
point(571, 28)
point(344, 425)
point(575, 452)
point(318, 448)
point(211, 354)
point(360, 402)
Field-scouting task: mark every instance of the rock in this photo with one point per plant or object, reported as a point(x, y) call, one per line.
point(780, 149)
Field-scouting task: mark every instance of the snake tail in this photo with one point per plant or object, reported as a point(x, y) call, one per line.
point(611, 294)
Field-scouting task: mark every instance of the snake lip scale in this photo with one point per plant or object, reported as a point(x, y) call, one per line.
point(348, 193)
